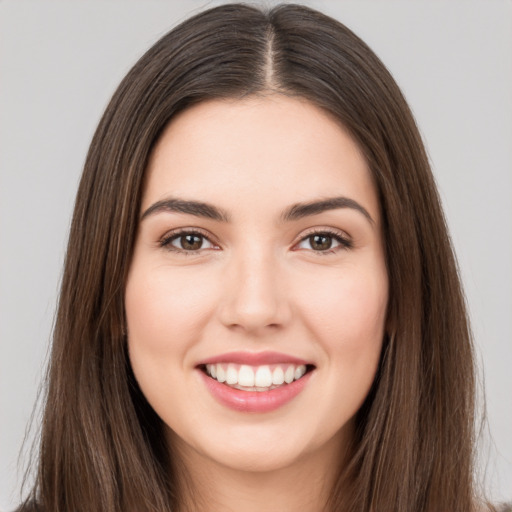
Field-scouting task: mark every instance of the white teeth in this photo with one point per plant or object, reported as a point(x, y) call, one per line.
point(263, 377)
point(278, 376)
point(259, 378)
point(231, 375)
point(221, 374)
point(246, 376)
point(299, 371)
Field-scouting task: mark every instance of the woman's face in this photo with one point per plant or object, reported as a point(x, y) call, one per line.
point(259, 257)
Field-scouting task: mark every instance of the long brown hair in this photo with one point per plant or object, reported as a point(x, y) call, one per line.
point(102, 446)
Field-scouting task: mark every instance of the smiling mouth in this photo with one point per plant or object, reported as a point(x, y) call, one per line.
point(256, 378)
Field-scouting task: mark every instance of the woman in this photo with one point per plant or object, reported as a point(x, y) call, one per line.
point(260, 307)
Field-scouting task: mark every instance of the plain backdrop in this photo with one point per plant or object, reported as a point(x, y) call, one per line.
point(60, 62)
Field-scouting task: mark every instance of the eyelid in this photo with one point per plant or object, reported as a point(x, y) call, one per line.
point(340, 236)
point(165, 241)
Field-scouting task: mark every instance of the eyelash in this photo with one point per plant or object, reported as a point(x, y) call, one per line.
point(343, 241)
point(338, 236)
point(166, 241)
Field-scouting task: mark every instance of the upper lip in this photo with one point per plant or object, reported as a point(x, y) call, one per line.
point(254, 358)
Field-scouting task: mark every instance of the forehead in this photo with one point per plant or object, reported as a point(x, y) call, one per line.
point(257, 152)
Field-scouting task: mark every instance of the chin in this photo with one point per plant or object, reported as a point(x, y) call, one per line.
point(256, 459)
point(260, 449)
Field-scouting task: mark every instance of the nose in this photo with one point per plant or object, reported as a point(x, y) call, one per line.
point(254, 297)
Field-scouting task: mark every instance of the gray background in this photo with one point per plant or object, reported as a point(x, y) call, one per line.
point(59, 64)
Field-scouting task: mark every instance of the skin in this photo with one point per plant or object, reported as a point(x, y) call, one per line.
point(257, 283)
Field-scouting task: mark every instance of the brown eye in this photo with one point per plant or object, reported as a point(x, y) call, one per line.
point(190, 242)
point(320, 242)
point(324, 242)
point(187, 242)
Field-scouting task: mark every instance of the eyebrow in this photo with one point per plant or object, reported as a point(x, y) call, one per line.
point(294, 212)
point(197, 208)
point(301, 210)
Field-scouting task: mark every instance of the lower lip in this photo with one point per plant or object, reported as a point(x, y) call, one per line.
point(254, 401)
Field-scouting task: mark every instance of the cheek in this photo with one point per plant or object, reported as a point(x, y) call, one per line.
point(348, 304)
point(346, 317)
point(166, 309)
point(347, 313)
